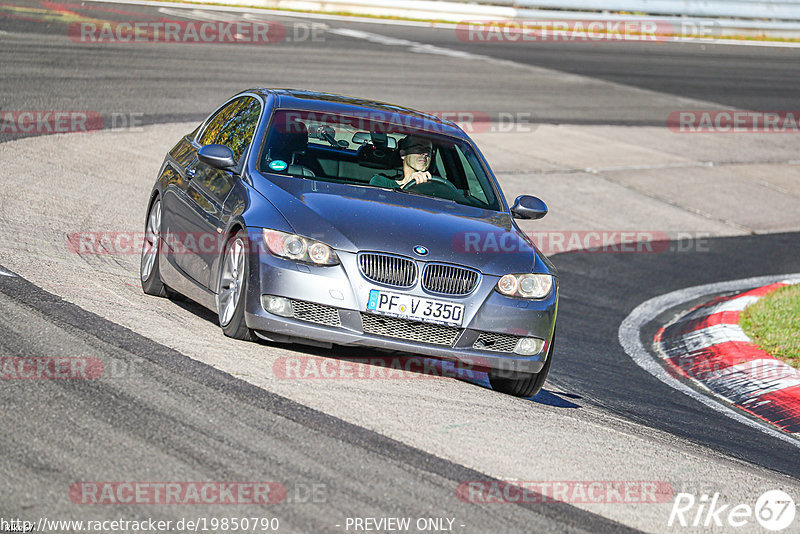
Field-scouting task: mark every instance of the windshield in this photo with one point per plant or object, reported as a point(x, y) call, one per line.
point(366, 152)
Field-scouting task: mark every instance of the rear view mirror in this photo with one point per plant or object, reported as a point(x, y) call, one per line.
point(217, 156)
point(528, 207)
point(359, 138)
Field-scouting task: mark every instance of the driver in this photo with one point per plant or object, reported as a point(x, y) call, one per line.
point(416, 154)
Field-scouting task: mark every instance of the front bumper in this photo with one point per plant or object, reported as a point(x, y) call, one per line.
point(330, 307)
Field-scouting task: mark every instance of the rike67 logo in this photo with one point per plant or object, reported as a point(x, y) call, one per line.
point(774, 510)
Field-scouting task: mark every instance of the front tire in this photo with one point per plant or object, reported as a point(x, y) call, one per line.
point(151, 251)
point(522, 384)
point(232, 288)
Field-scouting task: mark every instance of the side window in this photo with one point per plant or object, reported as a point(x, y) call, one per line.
point(218, 121)
point(233, 125)
point(238, 132)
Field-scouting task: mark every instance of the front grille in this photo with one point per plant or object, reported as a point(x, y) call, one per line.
point(315, 313)
point(449, 279)
point(380, 325)
point(390, 270)
point(496, 342)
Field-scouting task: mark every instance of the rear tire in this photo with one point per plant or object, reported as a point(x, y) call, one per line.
point(522, 384)
point(232, 288)
point(151, 253)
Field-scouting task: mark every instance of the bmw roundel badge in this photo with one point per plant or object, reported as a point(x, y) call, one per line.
point(422, 251)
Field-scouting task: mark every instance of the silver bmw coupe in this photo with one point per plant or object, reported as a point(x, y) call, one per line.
point(303, 217)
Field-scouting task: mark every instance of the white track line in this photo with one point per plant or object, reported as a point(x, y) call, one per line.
point(423, 48)
point(200, 14)
point(630, 339)
point(412, 46)
point(6, 273)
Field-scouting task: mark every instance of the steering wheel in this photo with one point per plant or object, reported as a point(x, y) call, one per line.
point(435, 187)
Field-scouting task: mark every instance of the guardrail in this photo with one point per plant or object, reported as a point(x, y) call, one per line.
point(755, 9)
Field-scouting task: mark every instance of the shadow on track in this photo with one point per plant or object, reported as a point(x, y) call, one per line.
point(315, 363)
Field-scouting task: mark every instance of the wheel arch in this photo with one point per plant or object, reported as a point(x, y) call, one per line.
point(234, 228)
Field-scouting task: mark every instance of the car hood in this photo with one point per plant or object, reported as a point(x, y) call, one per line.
point(356, 218)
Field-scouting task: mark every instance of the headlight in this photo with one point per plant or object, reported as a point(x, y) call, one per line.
point(298, 248)
point(529, 286)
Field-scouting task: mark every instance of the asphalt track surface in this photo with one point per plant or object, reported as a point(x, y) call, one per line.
point(188, 421)
point(171, 83)
point(216, 428)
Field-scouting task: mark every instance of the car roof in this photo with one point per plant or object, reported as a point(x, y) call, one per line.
point(294, 99)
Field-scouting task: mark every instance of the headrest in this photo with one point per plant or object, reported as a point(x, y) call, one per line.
point(292, 137)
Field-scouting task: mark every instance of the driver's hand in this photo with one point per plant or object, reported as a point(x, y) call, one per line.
point(421, 177)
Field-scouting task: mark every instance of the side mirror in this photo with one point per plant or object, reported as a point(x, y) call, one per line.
point(217, 156)
point(528, 207)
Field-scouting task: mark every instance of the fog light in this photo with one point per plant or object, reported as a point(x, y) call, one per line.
point(528, 346)
point(277, 305)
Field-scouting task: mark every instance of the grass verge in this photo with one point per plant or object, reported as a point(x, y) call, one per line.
point(773, 323)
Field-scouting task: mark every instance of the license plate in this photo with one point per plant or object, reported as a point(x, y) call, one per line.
point(415, 308)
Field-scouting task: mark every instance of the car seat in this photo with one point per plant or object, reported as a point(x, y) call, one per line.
point(289, 145)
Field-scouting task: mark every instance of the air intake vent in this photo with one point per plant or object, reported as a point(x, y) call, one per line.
point(316, 313)
point(390, 270)
point(496, 342)
point(409, 330)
